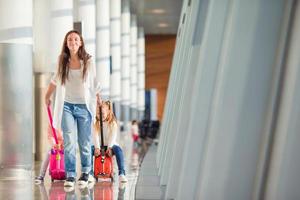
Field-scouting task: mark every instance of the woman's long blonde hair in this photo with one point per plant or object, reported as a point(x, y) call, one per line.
point(110, 118)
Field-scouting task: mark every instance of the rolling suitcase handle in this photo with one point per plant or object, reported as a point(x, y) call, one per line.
point(51, 123)
point(58, 157)
point(103, 158)
point(103, 148)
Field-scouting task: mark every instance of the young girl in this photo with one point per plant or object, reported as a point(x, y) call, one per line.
point(135, 132)
point(39, 179)
point(110, 130)
point(75, 105)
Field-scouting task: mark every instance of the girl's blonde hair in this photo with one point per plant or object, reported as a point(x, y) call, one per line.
point(110, 118)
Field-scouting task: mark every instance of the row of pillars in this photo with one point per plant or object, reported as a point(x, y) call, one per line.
point(30, 42)
point(237, 135)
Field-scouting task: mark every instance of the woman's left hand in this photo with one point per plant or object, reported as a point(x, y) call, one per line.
point(109, 152)
point(99, 100)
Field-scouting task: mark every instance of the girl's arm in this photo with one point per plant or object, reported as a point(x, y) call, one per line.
point(113, 135)
point(96, 140)
point(96, 143)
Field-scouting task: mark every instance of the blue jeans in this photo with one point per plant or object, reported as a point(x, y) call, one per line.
point(119, 157)
point(76, 116)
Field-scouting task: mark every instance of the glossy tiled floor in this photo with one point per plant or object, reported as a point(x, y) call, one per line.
point(27, 190)
point(148, 184)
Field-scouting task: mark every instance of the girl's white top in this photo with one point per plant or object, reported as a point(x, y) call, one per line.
point(109, 135)
point(90, 86)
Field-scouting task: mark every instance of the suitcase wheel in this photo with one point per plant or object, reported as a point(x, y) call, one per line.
point(52, 180)
point(96, 179)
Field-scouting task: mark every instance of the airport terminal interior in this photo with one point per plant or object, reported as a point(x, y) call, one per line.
point(205, 94)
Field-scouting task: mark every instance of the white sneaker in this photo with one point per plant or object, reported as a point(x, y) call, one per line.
point(38, 180)
point(91, 179)
point(69, 182)
point(91, 182)
point(83, 180)
point(123, 178)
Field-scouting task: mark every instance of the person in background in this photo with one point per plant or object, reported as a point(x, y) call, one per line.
point(134, 132)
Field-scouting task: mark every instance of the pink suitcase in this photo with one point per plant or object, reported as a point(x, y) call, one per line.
point(57, 165)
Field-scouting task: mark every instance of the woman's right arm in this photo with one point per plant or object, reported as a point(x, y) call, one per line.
point(49, 92)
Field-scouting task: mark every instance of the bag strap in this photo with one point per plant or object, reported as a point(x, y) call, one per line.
point(51, 123)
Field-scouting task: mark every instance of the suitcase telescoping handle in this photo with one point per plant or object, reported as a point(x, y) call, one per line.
point(51, 123)
point(103, 149)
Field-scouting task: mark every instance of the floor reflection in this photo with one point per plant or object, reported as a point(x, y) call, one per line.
point(98, 191)
point(134, 154)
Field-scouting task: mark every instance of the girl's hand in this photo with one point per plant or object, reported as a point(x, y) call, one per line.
point(109, 152)
point(97, 152)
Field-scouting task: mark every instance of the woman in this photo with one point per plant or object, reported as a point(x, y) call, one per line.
point(75, 104)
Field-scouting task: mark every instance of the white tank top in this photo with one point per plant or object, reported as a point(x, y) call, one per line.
point(74, 87)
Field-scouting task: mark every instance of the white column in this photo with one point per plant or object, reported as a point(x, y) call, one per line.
point(176, 92)
point(16, 92)
point(203, 72)
point(61, 22)
point(133, 67)
point(115, 48)
point(283, 174)
point(185, 84)
point(42, 33)
point(103, 46)
point(141, 73)
point(240, 100)
point(86, 14)
point(16, 23)
point(164, 133)
point(125, 56)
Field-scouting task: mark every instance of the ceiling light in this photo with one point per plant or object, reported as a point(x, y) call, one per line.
point(157, 11)
point(163, 25)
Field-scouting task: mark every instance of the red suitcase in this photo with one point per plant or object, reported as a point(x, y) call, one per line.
point(103, 165)
point(57, 165)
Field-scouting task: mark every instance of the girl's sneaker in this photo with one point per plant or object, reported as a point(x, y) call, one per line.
point(91, 179)
point(39, 179)
point(123, 178)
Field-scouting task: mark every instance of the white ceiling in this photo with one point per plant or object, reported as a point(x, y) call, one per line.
point(165, 21)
